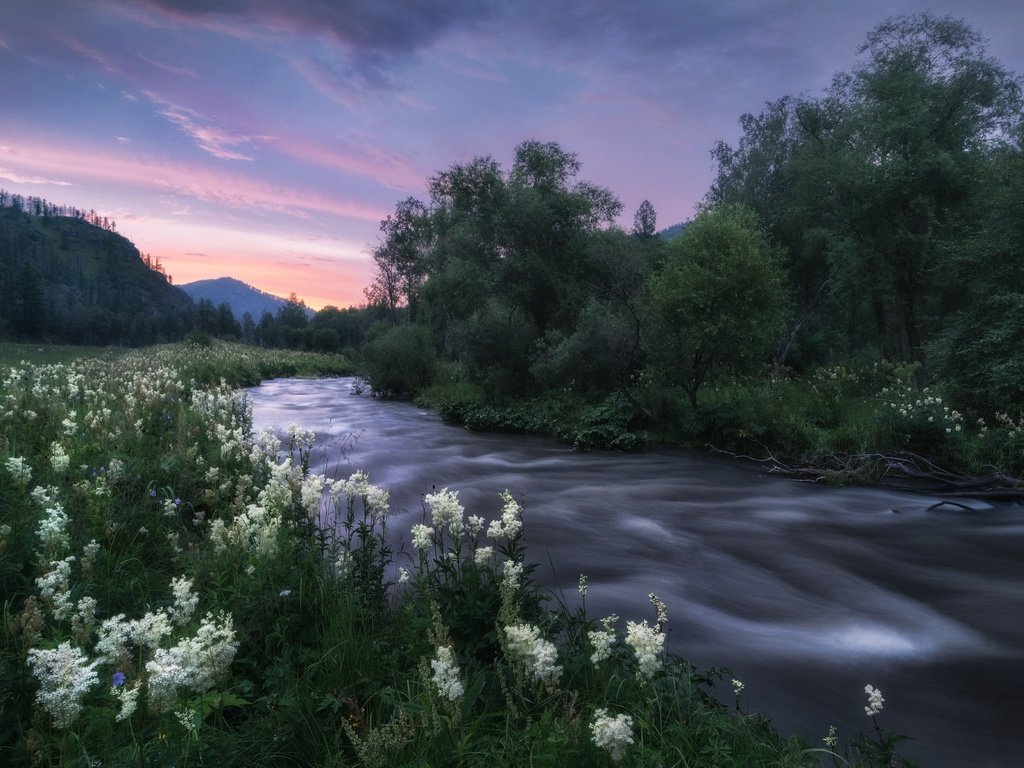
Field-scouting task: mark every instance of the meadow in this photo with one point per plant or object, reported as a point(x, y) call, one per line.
point(178, 590)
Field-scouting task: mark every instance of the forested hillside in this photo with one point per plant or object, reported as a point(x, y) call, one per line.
point(67, 278)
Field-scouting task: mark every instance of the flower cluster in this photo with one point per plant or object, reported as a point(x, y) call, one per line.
point(602, 640)
point(65, 675)
point(648, 645)
point(446, 673)
point(613, 734)
point(537, 655)
point(875, 701)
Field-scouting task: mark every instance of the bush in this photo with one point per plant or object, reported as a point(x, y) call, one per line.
point(400, 362)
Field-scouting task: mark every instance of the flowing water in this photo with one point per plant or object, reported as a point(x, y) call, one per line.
point(805, 593)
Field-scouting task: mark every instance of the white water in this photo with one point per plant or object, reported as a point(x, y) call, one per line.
point(805, 593)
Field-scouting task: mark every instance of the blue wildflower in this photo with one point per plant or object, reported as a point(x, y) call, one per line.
point(118, 679)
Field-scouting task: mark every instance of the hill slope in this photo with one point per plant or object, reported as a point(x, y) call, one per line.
point(65, 279)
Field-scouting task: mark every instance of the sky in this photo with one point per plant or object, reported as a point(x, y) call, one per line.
point(266, 139)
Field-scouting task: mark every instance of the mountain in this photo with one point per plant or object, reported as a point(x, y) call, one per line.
point(70, 278)
point(241, 297)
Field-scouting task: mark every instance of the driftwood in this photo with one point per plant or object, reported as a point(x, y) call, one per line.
point(901, 470)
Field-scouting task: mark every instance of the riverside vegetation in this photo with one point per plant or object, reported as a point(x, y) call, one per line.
point(179, 591)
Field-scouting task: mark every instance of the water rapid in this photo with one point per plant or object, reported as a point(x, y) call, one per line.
point(805, 593)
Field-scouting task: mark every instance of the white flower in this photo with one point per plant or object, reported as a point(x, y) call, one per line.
point(446, 673)
point(446, 511)
point(512, 575)
point(422, 537)
point(65, 676)
point(875, 701)
point(475, 524)
point(185, 600)
point(19, 470)
point(647, 644)
point(59, 459)
point(483, 555)
point(737, 686)
point(194, 664)
point(403, 575)
point(832, 740)
point(128, 698)
point(537, 655)
point(509, 525)
point(54, 586)
point(583, 585)
point(613, 734)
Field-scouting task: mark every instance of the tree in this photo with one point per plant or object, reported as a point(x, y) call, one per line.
point(719, 299)
point(645, 221)
point(895, 148)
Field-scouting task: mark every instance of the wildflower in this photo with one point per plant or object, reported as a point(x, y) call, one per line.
point(54, 586)
point(118, 680)
point(194, 664)
point(65, 676)
point(128, 698)
point(59, 459)
point(602, 640)
point(483, 555)
point(647, 644)
point(537, 655)
point(832, 740)
point(185, 600)
point(875, 701)
point(475, 524)
point(403, 575)
point(737, 687)
point(446, 511)
point(583, 585)
point(284, 594)
point(19, 470)
point(613, 734)
point(422, 537)
point(512, 575)
point(446, 673)
point(509, 525)
point(661, 608)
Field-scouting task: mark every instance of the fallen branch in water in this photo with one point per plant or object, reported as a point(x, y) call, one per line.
point(887, 468)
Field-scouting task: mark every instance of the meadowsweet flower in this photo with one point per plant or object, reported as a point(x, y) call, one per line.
point(54, 587)
point(19, 470)
point(536, 655)
point(446, 511)
point(647, 644)
point(185, 600)
point(483, 555)
point(127, 698)
point(661, 609)
point(832, 739)
point(613, 734)
point(65, 675)
point(512, 575)
point(737, 686)
point(602, 640)
point(583, 585)
point(875, 701)
point(510, 523)
point(474, 524)
point(403, 575)
point(446, 673)
point(422, 537)
point(194, 664)
point(59, 458)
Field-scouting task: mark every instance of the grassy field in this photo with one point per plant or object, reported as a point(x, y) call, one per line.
point(170, 598)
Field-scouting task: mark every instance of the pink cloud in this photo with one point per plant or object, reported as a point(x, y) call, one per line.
point(232, 190)
point(17, 178)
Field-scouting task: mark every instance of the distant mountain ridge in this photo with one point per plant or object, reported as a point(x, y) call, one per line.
point(240, 296)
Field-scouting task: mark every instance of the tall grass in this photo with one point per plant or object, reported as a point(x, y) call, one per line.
point(171, 596)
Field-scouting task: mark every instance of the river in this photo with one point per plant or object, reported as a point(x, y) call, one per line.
point(805, 593)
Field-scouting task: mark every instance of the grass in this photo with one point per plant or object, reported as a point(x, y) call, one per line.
point(170, 599)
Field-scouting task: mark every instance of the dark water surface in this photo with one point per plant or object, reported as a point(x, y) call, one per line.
point(805, 593)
